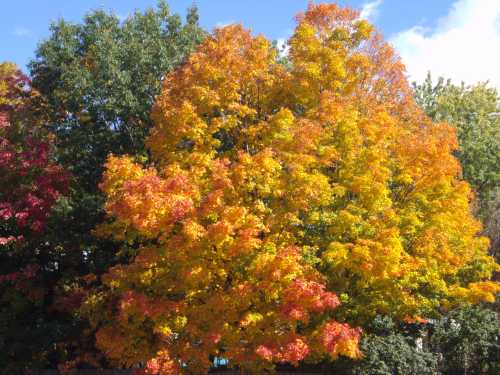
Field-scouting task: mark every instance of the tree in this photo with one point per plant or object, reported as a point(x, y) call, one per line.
point(390, 348)
point(269, 189)
point(101, 78)
point(474, 112)
point(392, 355)
point(469, 341)
point(31, 183)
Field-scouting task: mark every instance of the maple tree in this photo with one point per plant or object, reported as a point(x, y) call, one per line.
point(31, 183)
point(281, 202)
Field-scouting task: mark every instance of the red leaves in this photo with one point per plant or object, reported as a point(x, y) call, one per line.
point(32, 188)
point(265, 353)
point(6, 211)
point(31, 182)
point(26, 273)
point(162, 364)
point(303, 296)
point(291, 352)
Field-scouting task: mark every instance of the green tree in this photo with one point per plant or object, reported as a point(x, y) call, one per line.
point(390, 348)
point(393, 355)
point(101, 78)
point(469, 341)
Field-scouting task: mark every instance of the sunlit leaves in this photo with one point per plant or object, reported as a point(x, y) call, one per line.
point(274, 188)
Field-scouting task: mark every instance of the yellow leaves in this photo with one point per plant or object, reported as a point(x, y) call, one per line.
point(275, 132)
point(258, 173)
point(13, 83)
point(276, 268)
point(403, 179)
point(251, 319)
point(193, 231)
point(347, 348)
point(477, 292)
point(163, 330)
point(336, 254)
point(363, 30)
point(308, 190)
point(180, 322)
point(346, 223)
point(119, 170)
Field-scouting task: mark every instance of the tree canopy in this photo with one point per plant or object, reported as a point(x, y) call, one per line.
point(282, 203)
point(30, 184)
point(100, 79)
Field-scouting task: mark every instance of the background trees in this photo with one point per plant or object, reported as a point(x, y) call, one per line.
point(100, 79)
point(469, 341)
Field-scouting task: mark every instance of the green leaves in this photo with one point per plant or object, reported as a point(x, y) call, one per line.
point(469, 340)
point(101, 77)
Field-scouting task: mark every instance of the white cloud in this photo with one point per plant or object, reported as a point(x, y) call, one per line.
point(369, 11)
point(464, 46)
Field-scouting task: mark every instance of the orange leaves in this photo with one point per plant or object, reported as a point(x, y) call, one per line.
point(226, 76)
point(162, 364)
point(340, 339)
point(140, 197)
point(324, 17)
point(118, 171)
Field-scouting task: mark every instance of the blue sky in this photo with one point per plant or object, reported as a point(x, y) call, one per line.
point(415, 27)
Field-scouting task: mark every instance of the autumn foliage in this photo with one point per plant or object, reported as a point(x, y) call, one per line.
point(284, 201)
point(30, 185)
point(30, 181)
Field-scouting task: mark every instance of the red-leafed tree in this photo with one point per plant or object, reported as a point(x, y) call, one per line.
point(29, 187)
